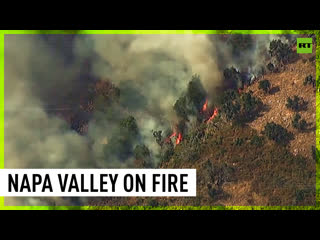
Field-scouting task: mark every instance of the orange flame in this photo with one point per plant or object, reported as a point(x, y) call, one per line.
point(215, 113)
point(205, 106)
point(179, 139)
point(173, 135)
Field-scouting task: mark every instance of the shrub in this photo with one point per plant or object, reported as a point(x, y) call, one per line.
point(298, 123)
point(277, 133)
point(229, 95)
point(250, 106)
point(309, 80)
point(271, 67)
point(296, 104)
point(265, 85)
point(238, 141)
point(231, 109)
point(249, 102)
point(257, 141)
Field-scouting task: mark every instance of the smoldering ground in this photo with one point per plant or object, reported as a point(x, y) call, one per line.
point(47, 78)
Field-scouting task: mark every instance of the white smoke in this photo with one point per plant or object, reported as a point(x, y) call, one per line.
point(152, 71)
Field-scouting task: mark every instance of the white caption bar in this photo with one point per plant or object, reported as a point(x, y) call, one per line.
point(97, 182)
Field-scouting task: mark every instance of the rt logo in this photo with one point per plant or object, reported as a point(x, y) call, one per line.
point(304, 45)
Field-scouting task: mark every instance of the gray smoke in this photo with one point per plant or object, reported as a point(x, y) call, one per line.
point(152, 72)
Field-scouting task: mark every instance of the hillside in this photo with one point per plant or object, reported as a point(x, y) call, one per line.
point(283, 85)
point(233, 169)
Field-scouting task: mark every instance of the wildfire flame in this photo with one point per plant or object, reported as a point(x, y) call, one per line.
point(179, 138)
point(173, 135)
point(214, 114)
point(204, 109)
point(205, 106)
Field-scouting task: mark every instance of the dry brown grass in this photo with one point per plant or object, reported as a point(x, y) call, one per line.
point(290, 83)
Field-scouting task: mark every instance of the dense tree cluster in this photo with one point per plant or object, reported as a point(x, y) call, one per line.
point(192, 101)
point(282, 52)
point(239, 108)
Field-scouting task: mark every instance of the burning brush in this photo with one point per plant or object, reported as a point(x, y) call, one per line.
point(205, 111)
point(178, 138)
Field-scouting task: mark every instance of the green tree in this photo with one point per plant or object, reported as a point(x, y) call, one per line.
point(281, 51)
point(231, 109)
point(250, 106)
point(233, 78)
point(129, 126)
point(180, 107)
point(196, 94)
point(192, 101)
point(239, 108)
point(249, 102)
